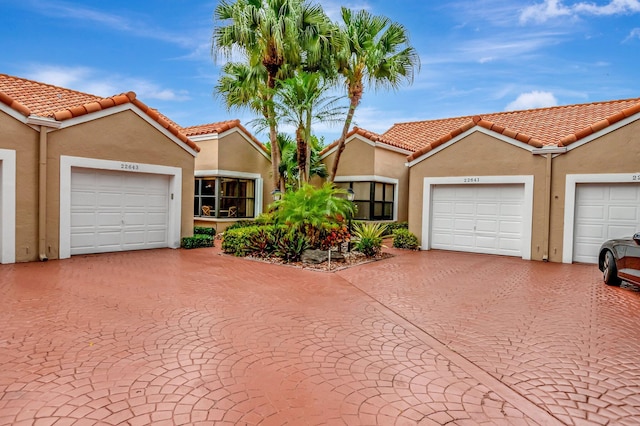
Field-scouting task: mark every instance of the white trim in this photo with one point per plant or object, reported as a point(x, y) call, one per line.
point(175, 189)
point(527, 218)
point(369, 142)
point(36, 120)
point(608, 129)
point(205, 137)
point(127, 107)
point(259, 183)
point(7, 206)
point(13, 113)
point(571, 182)
point(227, 173)
point(375, 178)
point(477, 128)
point(393, 148)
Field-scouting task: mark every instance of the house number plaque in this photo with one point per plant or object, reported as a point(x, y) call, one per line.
point(129, 166)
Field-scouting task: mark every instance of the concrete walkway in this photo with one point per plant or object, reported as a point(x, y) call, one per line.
point(430, 338)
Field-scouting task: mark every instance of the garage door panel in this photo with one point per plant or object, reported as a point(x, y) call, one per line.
point(464, 208)
point(486, 226)
point(484, 218)
point(464, 224)
point(115, 211)
point(603, 212)
point(488, 209)
point(623, 212)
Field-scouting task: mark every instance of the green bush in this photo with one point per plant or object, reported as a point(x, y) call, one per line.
point(204, 230)
point(237, 241)
point(391, 227)
point(404, 239)
point(290, 246)
point(368, 237)
point(308, 210)
point(262, 242)
point(197, 241)
point(241, 224)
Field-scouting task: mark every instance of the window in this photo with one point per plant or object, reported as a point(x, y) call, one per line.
point(223, 197)
point(374, 200)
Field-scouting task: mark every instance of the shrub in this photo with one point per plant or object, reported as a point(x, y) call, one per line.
point(368, 237)
point(404, 239)
point(197, 241)
point(391, 227)
point(290, 246)
point(204, 230)
point(241, 224)
point(262, 242)
point(309, 209)
point(238, 241)
point(332, 235)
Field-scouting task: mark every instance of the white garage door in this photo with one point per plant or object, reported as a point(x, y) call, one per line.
point(118, 211)
point(478, 218)
point(603, 212)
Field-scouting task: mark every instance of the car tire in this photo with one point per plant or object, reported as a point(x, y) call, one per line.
point(609, 270)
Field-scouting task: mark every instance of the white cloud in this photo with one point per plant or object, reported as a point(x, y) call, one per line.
point(635, 33)
point(136, 25)
point(99, 83)
point(333, 8)
point(550, 9)
point(534, 99)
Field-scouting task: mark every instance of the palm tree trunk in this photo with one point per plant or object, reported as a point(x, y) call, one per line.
point(302, 155)
point(273, 134)
point(347, 124)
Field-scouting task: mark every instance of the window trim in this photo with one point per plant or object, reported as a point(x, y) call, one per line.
point(257, 199)
point(378, 179)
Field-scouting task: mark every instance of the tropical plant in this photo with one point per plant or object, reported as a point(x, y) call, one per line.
point(373, 49)
point(308, 209)
point(368, 237)
point(289, 163)
point(301, 101)
point(404, 239)
point(278, 35)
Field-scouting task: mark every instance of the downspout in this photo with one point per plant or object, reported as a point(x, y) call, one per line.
point(547, 210)
point(549, 153)
point(43, 125)
point(42, 196)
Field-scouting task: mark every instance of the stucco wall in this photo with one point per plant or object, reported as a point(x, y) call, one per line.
point(358, 158)
point(481, 155)
point(233, 152)
point(124, 136)
point(615, 152)
point(21, 138)
point(392, 165)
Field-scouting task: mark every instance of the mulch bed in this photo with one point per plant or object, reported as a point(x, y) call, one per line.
point(350, 260)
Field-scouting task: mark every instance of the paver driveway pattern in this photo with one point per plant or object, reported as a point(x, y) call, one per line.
point(192, 337)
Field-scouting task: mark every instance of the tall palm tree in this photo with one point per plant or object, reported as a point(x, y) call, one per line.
point(274, 34)
point(301, 101)
point(242, 86)
point(375, 50)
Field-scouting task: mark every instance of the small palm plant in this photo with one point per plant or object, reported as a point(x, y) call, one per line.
point(308, 209)
point(368, 237)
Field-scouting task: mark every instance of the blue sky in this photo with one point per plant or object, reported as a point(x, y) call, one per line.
point(477, 56)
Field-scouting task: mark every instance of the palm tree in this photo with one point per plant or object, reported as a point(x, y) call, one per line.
point(289, 165)
point(275, 34)
point(375, 50)
point(302, 101)
point(243, 87)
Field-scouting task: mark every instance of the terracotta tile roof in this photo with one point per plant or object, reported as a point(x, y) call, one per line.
point(220, 127)
point(559, 126)
point(373, 137)
point(34, 98)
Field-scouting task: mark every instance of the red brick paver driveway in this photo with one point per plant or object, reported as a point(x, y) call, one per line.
point(192, 337)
